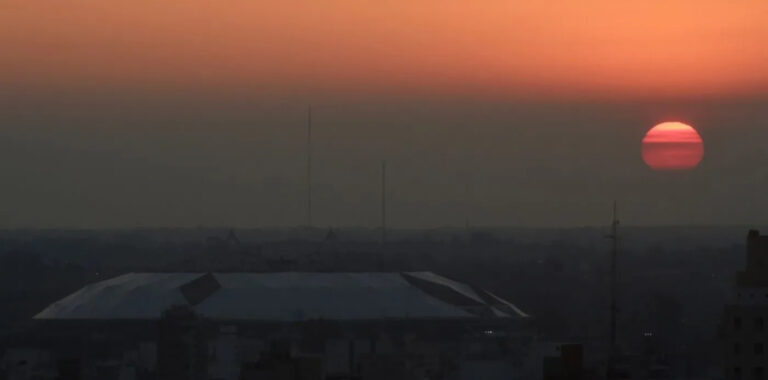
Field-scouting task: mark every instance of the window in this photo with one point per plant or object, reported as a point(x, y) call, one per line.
point(758, 348)
point(737, 373)
point(758, 373)
point(737, 323)
point(759, 324)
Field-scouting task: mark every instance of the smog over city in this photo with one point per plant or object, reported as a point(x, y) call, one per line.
point(413, 190)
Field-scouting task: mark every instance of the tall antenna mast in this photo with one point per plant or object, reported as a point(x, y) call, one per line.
point(309, 167)
point(614, 236)
point(383, 202)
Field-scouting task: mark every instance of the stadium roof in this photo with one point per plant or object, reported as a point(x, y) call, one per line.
point(289, 296)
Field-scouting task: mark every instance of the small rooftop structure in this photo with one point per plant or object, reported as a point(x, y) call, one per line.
point(755, 273)
point(282, 297)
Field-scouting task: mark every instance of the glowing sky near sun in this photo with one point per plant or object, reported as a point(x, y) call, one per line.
point(594, 47)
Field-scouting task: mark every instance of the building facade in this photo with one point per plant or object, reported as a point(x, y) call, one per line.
point(745, 337)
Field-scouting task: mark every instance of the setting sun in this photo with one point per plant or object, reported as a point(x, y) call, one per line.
point(672, 146)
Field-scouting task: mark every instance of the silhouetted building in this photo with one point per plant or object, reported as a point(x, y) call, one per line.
point(744, 319)
point(331, 236)
point(569, 365)
point(228, 244)
point(182, 348)
point(280, 364)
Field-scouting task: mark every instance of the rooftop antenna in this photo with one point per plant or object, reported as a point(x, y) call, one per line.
point(309, 167)
point(614, 236)
point(383, 202)
point(468, 198)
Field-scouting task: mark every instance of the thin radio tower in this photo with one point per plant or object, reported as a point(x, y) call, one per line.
point(309, 167)
point(614, 236)
point(383, 202)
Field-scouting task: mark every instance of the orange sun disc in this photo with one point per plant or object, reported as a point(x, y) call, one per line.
point(672, 146)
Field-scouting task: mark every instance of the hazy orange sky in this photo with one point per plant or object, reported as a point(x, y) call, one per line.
point(599, 47)
point(193, 112)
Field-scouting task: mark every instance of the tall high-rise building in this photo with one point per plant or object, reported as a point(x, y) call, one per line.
point(744, 320)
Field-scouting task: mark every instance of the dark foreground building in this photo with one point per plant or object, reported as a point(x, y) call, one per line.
point(276, 326)
point(745, 334)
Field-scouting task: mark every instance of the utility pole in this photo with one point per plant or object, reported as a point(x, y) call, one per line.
point(383, 202)
point(309, 167)
point(614, 236)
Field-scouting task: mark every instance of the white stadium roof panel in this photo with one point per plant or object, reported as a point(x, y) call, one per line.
point(289, 296)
